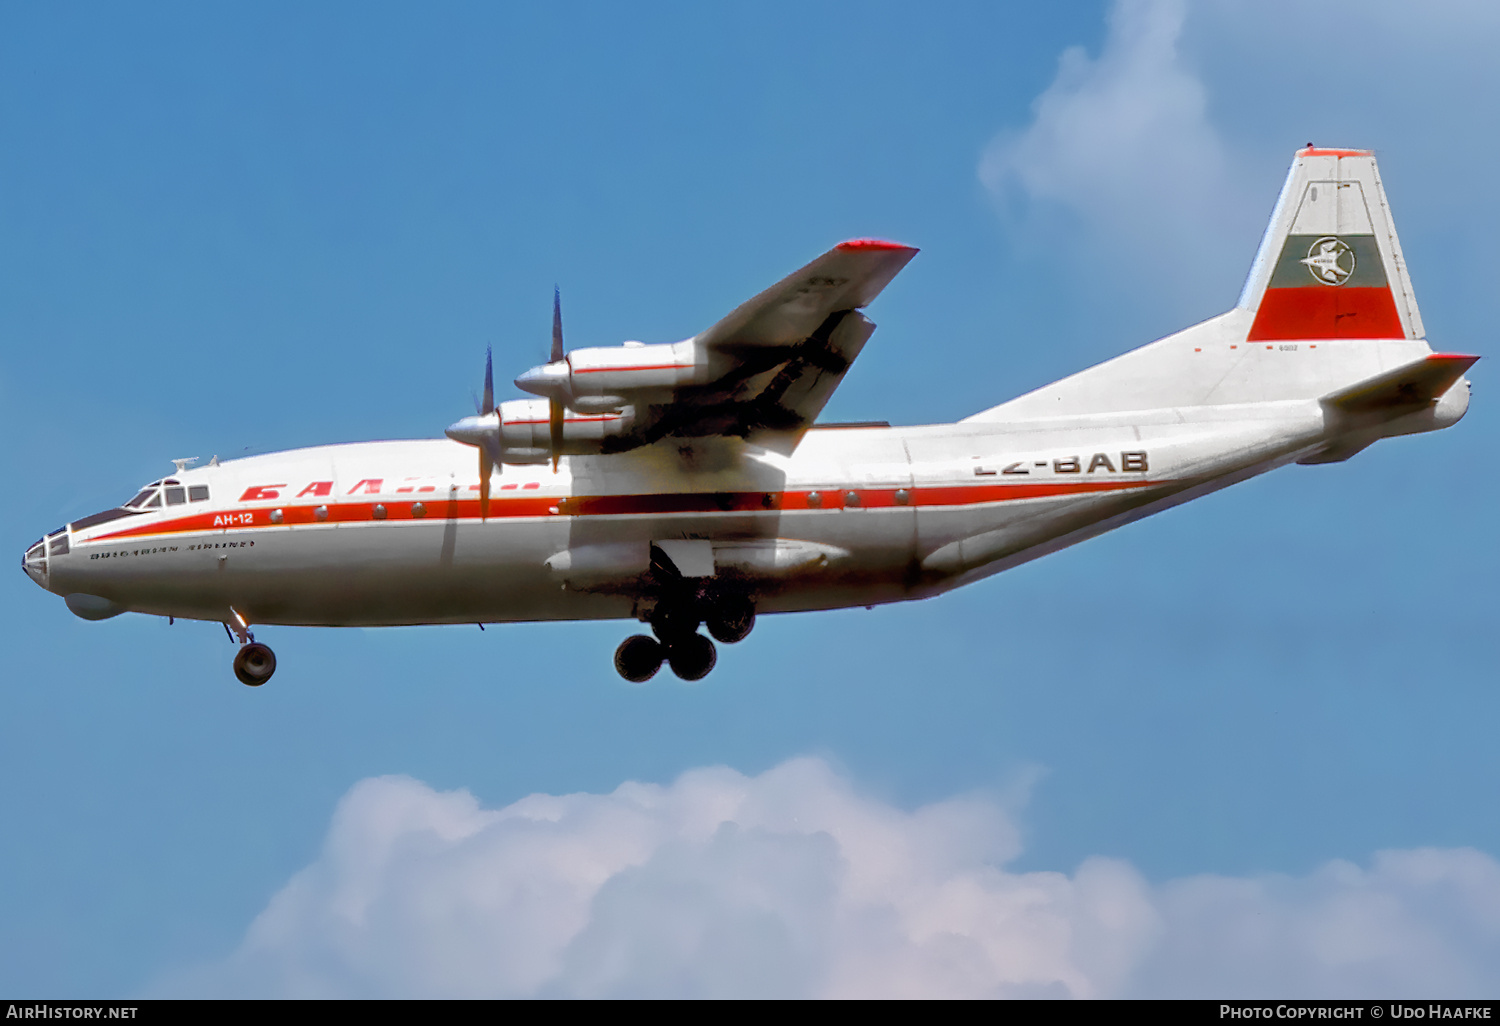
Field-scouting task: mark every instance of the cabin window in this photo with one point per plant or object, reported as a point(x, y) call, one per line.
point(176, 495)
point(197, 493)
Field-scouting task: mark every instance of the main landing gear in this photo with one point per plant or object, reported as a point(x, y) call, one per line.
point(678, 643)
point(253, 663)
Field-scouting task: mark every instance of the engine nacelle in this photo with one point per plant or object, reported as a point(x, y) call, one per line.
point(614, 370)
point(526, 424)
point(606, 377)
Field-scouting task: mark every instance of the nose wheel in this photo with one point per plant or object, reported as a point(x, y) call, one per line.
point(254, 664)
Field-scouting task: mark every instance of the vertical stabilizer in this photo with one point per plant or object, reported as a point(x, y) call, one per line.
point(1330, 265)
point(1328, 303)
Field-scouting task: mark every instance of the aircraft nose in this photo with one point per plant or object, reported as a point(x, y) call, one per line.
point(34, 562)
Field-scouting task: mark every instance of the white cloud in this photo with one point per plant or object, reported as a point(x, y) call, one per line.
point(791, 883)
point(1147, 172)
point(1121, 146)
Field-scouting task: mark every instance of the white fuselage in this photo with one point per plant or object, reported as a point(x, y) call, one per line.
point(384, 533)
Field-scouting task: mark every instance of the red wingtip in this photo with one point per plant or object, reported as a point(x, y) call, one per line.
point(857, 245)
point(1319, 151)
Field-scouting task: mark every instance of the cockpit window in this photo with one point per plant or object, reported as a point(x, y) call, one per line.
point(171, 490)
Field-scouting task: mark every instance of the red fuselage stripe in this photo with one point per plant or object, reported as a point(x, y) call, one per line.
point(506, 507)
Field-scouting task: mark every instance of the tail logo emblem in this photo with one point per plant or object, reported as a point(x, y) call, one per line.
point(1330, 260)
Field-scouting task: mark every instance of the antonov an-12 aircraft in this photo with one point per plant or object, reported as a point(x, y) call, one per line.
point(687, 485)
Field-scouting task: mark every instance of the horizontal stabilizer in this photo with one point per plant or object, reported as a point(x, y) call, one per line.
point(1414, 384)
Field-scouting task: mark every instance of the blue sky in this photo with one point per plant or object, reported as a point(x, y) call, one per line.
point(246, 228)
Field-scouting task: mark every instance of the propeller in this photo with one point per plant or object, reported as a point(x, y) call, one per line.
point(484, 434)
point(557, 408)
point(486, 462)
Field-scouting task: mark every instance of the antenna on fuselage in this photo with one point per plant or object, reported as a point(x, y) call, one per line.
point(183, 464)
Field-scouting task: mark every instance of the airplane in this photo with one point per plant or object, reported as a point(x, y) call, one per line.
point(688, 485)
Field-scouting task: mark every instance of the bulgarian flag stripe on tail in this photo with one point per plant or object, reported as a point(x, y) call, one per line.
point(1327, 286)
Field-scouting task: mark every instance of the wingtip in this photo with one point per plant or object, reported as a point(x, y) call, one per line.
point(860, 245)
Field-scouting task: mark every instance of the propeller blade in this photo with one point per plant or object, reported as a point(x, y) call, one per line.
point(485, 469)
point(557, 433)
point(489, 383)
point(487, 462)
point(557, 342)
point(476, 431)
point(557, 408)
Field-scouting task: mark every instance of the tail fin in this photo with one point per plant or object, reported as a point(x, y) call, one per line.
point(1330, 265)
point(1328, 303)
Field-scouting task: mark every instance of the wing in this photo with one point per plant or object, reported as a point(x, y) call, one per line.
point(776, 359)
point(847, 277)
point(763, 373)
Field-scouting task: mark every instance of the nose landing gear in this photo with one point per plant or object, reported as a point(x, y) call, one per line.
point(253, 663)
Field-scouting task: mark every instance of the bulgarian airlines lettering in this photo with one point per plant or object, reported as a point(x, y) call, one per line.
point(366, 486)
